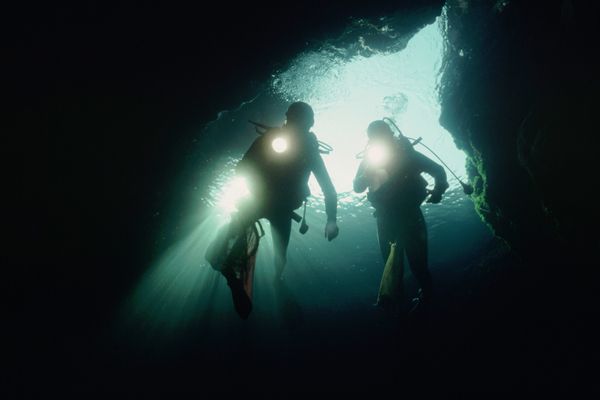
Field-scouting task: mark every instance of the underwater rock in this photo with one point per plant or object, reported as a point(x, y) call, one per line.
point(517, 95)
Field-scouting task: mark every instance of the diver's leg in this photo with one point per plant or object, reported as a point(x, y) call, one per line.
point(219, 247)
point(281, 227)
point(385, 235)
point(416, 252)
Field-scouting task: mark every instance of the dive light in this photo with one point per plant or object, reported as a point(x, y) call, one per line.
point(279, 145)
point(377, 154)
point(236, 190)
point(261, 129)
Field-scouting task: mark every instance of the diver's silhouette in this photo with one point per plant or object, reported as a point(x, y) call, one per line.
point(391, 170)
point(277, 167)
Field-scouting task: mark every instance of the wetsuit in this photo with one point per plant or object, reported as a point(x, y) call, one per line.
point(397, 203)
point(278, 182)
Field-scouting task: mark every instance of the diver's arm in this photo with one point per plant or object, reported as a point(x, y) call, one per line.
point(436, 171)
point(327, 187)
point(360, 180)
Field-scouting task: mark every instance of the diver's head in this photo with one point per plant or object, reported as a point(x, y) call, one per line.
point(379, 129)
point(300, 115)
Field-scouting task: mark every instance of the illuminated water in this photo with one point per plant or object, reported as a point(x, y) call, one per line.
point(325, 281)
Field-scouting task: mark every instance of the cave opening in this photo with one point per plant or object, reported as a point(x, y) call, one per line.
point(348, 94)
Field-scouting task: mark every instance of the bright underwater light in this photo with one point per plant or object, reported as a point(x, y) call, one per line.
point(279, 144)
point(377, 154)
point(233, 192)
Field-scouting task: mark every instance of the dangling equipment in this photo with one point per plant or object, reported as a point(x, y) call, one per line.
point(301, 220)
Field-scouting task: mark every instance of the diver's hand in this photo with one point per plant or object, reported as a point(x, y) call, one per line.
point(435, 198)
point(331, 230)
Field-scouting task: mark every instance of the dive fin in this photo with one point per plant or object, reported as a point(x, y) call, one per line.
point(390, 288)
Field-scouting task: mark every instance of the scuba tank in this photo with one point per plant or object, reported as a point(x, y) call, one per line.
point(467, 189)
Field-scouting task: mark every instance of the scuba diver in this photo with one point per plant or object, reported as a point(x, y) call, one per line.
point(391, 170)
point(277, 167)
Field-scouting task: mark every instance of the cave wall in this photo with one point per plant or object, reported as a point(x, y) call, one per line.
point(518, 93)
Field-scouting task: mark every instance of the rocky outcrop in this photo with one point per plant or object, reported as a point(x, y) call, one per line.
point(518, 95)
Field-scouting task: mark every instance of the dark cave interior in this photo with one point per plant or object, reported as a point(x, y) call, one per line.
point(108, 101)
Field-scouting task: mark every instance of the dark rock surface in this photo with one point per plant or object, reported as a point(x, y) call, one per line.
point(518, 95)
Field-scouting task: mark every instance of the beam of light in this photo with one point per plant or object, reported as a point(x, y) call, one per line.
point(182, 294)
point(170, 294)
point(348, 95)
